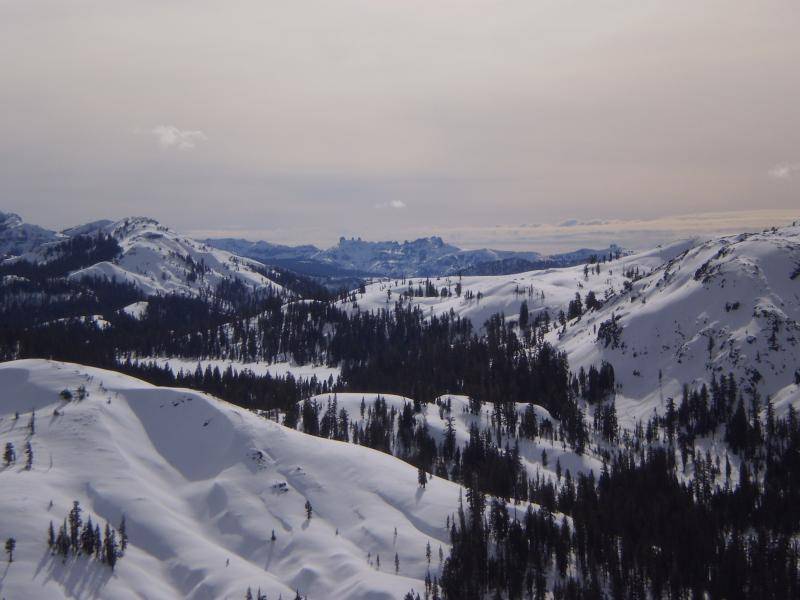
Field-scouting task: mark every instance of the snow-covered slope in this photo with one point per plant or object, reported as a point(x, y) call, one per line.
point(202, 485)
point(18, 237)
point(161, 261)
point(483, 296)
point(728, 305)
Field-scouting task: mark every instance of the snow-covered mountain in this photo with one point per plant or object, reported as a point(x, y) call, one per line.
point(158, 260)
point(729, 305)
point(202, 485)
point(264, 251)
point(18, 237)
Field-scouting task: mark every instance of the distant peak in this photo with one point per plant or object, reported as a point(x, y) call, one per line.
point(130, 225)
point(134, 221)
point(8, 220)
point(89, 228)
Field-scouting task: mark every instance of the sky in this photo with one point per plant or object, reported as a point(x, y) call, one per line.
point(538, 124)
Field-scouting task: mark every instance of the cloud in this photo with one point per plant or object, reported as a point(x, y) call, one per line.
point(396, 204)
point(169, 136)
point(784, 170)
point(576, 223)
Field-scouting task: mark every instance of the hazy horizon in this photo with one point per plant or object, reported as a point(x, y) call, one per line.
point(634, 234)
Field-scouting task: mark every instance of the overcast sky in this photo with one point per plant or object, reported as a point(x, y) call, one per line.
point(302, 120)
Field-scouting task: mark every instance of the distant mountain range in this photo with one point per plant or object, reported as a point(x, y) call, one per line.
point(423, 257)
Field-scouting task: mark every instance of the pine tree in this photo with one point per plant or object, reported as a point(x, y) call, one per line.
point(98, 546)
point(51, 537)
point(309, 510)
point(523, 315)
point(62, 540)
point(9, 456)
point(123, 536)
point(75, 523)
point(110, 546)
point(396, 563)
point(422, 477)
point(11, 544)
point(87, 538)
point(28, 456)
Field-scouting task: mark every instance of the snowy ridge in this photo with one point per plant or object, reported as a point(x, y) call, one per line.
point(160, 261)
point(276, 369)
point(18, 237)
point(483, 296)
point(727, 305)
point(202, 482)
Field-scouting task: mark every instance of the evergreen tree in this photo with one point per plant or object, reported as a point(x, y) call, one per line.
point(87, 541)
point(9, 456)
point(99, 550)
point(62, 541)
point(111, 550)
point(75, 523)
point(524, 315)
point(28, 456)
point(123, 536)
point(11, 544)
point(422, 477)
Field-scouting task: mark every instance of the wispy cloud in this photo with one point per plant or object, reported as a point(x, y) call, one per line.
point(396, 204)
point(169, 136)
point(784, 170)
